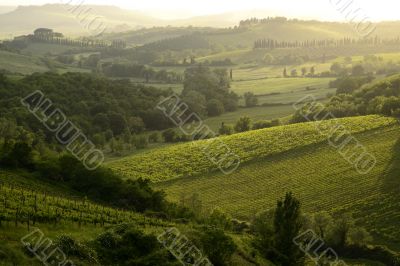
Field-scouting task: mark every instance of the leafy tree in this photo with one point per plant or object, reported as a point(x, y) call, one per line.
point(125, 245)
point(215, 108)
point(218, 246)
point(322, 221)
point(250, 99)
point(243, 124)
point(293, 73)
point(287, 226)
point(196, 102)
point(312, 71)
point(18, 155)
point(303, 71)
point(340, 232)
point(285, 75)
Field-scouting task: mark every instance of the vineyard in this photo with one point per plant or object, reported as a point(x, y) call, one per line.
point(185, 160)
point(21, 206)
point(319, 176)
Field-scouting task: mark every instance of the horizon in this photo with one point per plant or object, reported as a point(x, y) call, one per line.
point(177, 9)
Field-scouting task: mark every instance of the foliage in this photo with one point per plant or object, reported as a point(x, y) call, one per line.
point(188, 159)
point(243, 124)
point(218, 246)
point(287, 226)
point(212, 84)
point(127, 245)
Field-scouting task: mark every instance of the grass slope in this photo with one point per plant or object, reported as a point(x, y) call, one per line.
point(319, 177)
point(188, 159)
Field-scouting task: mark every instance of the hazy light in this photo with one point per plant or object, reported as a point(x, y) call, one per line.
point(322, 9)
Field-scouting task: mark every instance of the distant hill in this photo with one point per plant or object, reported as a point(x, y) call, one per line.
point(6, 9)
point(25, 19)
point(244, 36)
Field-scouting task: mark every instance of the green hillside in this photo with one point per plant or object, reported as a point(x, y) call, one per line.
point(321, 178)
point(188, 159)
point(21, 63)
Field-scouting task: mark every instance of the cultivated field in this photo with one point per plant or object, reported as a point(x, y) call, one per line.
point(188, 159)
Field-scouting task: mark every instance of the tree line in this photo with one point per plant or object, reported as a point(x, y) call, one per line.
point(373, 41)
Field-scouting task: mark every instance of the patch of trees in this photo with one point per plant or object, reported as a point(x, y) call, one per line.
point(275, 44)
point(280, 234)
point(207, 91)
point(382, 97)
point(139, 71)
point(101, 108)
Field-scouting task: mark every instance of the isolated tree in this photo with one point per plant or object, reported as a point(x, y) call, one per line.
point(250, 99)
point(293, 73)
point(243, 124)
point(303, 71)
point(287, 226)
point(285, 73)
point(312, 71)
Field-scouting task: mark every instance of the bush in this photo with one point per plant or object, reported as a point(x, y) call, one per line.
point(154, 137)
point(170, 135)
point(218, 246)
point(243, 125)
point(262, 124)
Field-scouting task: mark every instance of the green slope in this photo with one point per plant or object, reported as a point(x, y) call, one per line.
point(188, 159)
point(319, 177)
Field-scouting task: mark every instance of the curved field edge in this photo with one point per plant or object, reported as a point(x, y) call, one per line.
point(188, 159)
point(319, 177)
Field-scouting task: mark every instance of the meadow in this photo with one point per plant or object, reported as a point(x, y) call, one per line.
point(21, 63)
point(254, 113)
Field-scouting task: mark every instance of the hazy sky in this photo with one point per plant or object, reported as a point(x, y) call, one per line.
point(323, 9)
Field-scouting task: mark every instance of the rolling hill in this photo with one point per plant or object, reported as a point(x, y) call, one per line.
point(188, 159)
point(289, 158)
point(62, 18)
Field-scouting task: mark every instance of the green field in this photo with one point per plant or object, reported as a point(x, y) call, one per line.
point(255, 114)
point(319, 176)
point(284, 90)
point(189, 159)
point(21, 63)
